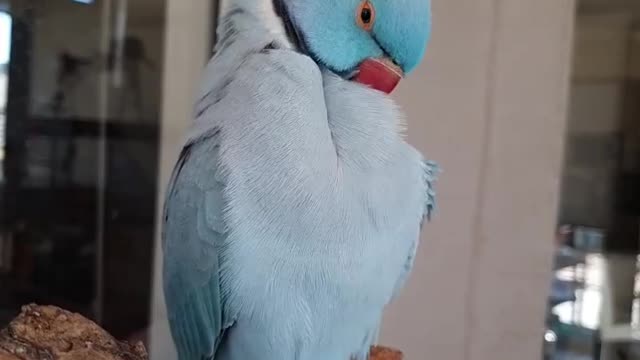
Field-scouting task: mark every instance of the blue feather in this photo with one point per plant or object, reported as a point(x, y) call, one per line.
point(431, 171)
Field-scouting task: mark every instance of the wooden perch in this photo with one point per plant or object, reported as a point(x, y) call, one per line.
point(50, 333)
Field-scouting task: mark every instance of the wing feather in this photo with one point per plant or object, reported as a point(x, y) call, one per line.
point(193, 233)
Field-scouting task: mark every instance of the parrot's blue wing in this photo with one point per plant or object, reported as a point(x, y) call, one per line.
point(194, 231)
point(192, 234)
point(431, 169)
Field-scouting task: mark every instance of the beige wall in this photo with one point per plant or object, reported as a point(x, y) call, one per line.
point(489, 105)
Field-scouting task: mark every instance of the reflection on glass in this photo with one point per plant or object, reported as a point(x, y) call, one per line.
point(584, 309)
point(5, 51)
point(78, 195)
point(594, 303)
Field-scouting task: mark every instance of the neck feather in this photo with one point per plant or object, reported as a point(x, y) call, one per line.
point(266, 14)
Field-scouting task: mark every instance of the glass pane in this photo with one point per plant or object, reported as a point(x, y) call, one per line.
point(79, 117)
point(593, 307)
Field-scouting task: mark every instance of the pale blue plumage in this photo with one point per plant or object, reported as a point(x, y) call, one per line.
point(293, 214)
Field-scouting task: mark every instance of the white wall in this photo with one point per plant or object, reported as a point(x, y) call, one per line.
point(489, 104)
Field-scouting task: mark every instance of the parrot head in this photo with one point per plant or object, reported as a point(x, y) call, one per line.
point(374, 42)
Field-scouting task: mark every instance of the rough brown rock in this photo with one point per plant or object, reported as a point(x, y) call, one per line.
point(51, 333)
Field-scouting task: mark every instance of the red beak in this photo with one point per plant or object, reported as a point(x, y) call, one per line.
point(379, 73)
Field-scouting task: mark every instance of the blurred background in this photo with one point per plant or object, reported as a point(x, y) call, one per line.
point(79, 131)
point(532, 108)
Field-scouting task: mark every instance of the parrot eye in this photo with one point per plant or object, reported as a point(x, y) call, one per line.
point(366, 15)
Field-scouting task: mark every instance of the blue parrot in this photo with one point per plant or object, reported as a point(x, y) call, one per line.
point(293, 213)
